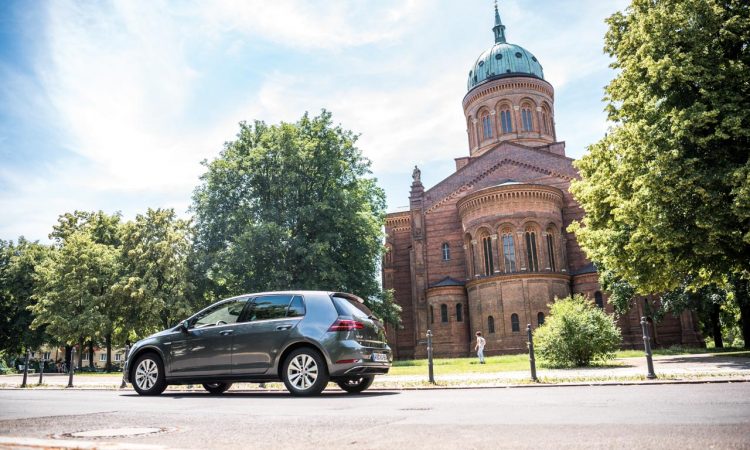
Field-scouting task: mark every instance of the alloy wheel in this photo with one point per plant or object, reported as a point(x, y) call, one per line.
point(146, 374)
point(302, 371)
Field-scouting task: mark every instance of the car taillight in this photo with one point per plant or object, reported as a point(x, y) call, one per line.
point(346, 325)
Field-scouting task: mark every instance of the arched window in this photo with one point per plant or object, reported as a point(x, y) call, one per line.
point(486, 126)
point(540, 319)
point(527, 118)
point(446, 252)
point(432, 314)
point(598, 299)
point(515, 326)
point(490, 324)
point(388, 255)
point(487, 253)
point(551, 249)
point(531, 254)
point(444, 313)
point(509, 252)
point(505, 120)
point(546, 120)
point(459, 312)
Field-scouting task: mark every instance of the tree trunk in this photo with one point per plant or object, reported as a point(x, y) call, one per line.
point(108, 340)
point(743, 301)
point(68, 355)
point(714, 317)
point(91, 354)
point(80, 353)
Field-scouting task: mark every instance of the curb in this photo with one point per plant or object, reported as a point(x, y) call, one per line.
point(20, 443)
point(434, 387)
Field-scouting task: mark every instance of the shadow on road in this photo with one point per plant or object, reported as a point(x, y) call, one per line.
point(248, 394)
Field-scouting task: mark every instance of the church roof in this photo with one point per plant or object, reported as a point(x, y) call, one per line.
point(448, 281)
point(588, 268)
point(503, 60)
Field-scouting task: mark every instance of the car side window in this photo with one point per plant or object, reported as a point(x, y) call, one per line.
point(269, 307)
point(297, 307)
point(222, 314)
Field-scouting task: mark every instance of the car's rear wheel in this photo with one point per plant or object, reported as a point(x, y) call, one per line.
point(148, 376)
point(305, 372)
point(355, 385)
point(216, 388)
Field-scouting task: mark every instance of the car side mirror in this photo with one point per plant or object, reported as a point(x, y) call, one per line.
point(184, 326)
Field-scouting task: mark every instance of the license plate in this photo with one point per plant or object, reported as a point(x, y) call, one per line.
point(380, 357)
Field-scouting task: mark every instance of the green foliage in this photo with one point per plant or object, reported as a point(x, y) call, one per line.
point(576, 333)
point(155, 286)
point(75, 300)
point(17, 285)
point(289, 206)
point(667, 191)
point(385, 308)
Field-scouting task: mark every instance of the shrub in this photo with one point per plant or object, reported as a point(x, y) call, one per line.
point(576, 333)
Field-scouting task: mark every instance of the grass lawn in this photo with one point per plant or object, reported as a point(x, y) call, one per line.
point(510, 363)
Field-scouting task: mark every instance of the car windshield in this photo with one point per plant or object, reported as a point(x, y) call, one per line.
point(347, 307)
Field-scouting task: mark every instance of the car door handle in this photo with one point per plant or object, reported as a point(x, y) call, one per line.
point(283, 327)
point(226, 332)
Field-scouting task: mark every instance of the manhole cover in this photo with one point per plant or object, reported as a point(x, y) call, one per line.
point(115, 432)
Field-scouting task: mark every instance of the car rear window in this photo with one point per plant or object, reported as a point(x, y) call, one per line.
point(346, 307)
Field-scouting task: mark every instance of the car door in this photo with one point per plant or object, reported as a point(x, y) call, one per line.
point(206, 348)
point(264, 331)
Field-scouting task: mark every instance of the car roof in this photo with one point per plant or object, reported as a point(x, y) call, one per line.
point(303, 292)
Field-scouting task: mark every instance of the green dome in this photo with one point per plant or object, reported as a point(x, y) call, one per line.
point(503, 60)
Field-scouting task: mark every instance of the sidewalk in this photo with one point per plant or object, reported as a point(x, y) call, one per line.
point(702, 367)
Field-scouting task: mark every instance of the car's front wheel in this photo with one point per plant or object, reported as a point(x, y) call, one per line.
point(305, 372)
point(355, 385)
point(148, 376)
point(216, 388)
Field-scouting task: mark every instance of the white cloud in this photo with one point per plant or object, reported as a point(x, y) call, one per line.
point(125, 86)
point(329, 24)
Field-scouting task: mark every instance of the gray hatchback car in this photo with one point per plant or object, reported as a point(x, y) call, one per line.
point(303, 338)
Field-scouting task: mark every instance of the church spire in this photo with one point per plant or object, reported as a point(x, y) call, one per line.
point(499, 28)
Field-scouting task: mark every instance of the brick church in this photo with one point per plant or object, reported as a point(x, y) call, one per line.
point(486, 249)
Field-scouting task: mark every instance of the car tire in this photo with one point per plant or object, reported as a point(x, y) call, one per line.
point(216, 388)
point(148, 375)
point(305, 372)
point(355, 385)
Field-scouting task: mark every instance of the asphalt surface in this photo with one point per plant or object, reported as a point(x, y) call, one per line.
point(648, 416)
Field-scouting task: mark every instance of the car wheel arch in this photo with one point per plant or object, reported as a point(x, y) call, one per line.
point(294, 346)
point(134, 357)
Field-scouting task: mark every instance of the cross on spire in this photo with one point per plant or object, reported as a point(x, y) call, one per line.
point(499, 28)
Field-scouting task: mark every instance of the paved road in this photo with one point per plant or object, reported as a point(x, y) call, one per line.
point(666, 416)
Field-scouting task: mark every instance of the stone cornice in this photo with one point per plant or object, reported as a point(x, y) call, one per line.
point(398, 219)
point(505, 277)
point(446, 290)
point(510, 192)
point(507, 84)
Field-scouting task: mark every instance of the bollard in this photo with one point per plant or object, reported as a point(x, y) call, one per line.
point(647, 347)
point(72, 367)
point(532, 361)
point(41, 372)
point(127, 351)
point(25, 369)
point(429, 356)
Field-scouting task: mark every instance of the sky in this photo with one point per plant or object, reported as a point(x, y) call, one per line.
point(112, 105)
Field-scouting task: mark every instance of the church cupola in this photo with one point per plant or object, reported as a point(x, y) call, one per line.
point(508, 97)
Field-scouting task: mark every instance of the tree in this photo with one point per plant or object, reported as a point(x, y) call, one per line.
point(75, 300)
point(156, 284)
point(17, 285)
point(667, 190)
point(289, 206)
point(576, 333)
